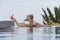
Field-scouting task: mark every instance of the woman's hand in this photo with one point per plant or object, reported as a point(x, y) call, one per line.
point(11, 17)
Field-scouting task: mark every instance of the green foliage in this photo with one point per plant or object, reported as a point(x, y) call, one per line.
point(51, 19)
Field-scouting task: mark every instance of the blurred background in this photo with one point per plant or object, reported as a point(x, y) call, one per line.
point(20, 8)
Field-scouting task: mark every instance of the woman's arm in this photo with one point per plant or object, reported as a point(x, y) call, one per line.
point(38, 24)
point(18, 24)
point(41, 25)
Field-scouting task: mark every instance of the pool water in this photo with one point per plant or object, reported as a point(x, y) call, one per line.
point(38, 34)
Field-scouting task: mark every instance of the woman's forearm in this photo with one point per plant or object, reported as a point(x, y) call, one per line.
point(18, 24)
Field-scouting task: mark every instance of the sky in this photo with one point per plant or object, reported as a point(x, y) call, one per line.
point(20, 8)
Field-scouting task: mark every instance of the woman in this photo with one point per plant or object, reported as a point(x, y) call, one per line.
point(31, 24)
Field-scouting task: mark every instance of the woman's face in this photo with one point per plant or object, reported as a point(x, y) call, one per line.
point(28, 17)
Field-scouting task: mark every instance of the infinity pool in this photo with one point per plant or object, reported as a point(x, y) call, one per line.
point(47, 33)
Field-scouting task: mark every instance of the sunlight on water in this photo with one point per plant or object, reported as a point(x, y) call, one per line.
point(38, 34)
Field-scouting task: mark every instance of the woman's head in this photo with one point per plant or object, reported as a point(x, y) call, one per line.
point(29, 17)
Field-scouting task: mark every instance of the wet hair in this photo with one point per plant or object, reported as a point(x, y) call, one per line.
point(31, 15)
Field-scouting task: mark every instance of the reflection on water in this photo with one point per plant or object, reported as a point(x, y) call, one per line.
point(30, 37)
point(38, 34)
